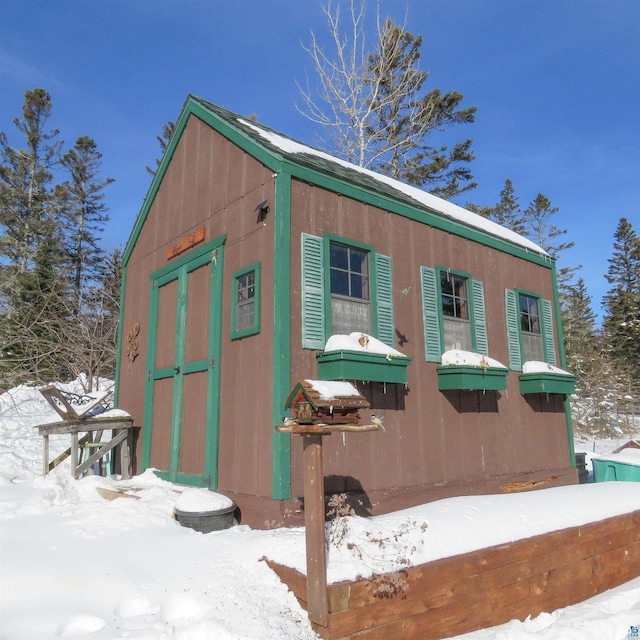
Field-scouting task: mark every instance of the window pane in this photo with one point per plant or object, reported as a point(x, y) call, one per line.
point(245, 316)
point(359, 288)
point(447, 306)
point(348, 316)
point(529, 315)
point(245, 301)
point(532, 347)
point(446, 286)
point(454, 295)
point(349, 271)
point(339, 282)
point(349, 283)
point(339, 256)
point(357, 260)
point(457, 334)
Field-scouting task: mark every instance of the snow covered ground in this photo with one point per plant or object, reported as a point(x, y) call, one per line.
point(75, 564)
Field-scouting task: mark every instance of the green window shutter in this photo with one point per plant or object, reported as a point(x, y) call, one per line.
point(313, 325)
point(430, 316)
point(384, 299)
point(513, 334)
point(479, 318)
point(547, 330)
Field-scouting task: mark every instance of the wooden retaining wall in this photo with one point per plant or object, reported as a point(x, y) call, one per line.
point(485, 588)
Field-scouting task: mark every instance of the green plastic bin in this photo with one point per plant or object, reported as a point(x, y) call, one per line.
point(623, 467)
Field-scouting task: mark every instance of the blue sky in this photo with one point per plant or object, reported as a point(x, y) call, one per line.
point(556, 83)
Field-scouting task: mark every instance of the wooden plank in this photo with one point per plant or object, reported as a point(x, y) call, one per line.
point(296, 581)
point(521, 559)
point(110, 494)
point(79, 426)
point(45, 455)
point(125, 455)
point(74, 453)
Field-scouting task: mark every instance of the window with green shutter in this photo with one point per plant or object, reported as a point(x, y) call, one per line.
point(530, 335)
point(454, 317)
point(453, 311)
point(531, 339)
point(346, 287)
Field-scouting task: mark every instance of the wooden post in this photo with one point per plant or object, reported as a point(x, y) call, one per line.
point(45, 455)
point(317, 604)
point(74, 454)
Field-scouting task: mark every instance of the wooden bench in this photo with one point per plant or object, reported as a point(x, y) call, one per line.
point(73, 408)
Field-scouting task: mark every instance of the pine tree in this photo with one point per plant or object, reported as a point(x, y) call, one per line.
point(579, 327)
point(84, 215)
point(52, 309)
point(30, 263)
point(506, 212)
point(540, 228)
point(164, 139)
point(26, 198)
point(372, 105)
point(401, 119)
point(622, 301)
point(38, 322)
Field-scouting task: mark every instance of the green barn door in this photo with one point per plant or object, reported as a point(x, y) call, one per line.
point(180, 436)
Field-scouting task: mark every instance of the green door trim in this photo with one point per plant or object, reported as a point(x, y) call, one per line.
point(178, 270)
point(281, 470)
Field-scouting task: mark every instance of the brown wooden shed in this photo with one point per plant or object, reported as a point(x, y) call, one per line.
point(257, 261)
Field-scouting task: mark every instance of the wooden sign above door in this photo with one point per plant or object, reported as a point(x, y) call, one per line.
point(186, 243)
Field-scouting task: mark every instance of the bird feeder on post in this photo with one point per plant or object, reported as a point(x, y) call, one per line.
point(319, 407)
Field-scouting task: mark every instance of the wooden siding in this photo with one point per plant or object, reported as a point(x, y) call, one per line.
point(436, 443)
point(210, 183)
point(485, 588)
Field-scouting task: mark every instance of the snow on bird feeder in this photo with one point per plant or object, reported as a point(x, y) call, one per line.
point(322, 403)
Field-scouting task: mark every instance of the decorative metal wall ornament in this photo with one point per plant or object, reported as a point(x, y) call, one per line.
point(132, 340)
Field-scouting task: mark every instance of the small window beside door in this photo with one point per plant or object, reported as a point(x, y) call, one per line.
point(245, 311)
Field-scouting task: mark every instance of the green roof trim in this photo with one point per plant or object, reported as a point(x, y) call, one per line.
point(319, 170)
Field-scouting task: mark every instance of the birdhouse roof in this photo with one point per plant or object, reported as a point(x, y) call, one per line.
point(327, 393)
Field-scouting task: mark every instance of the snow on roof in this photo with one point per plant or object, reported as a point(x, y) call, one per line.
point(421, 197)
point(333, 389)
point(468, 358)
point(534, 366)
point(358, 341)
